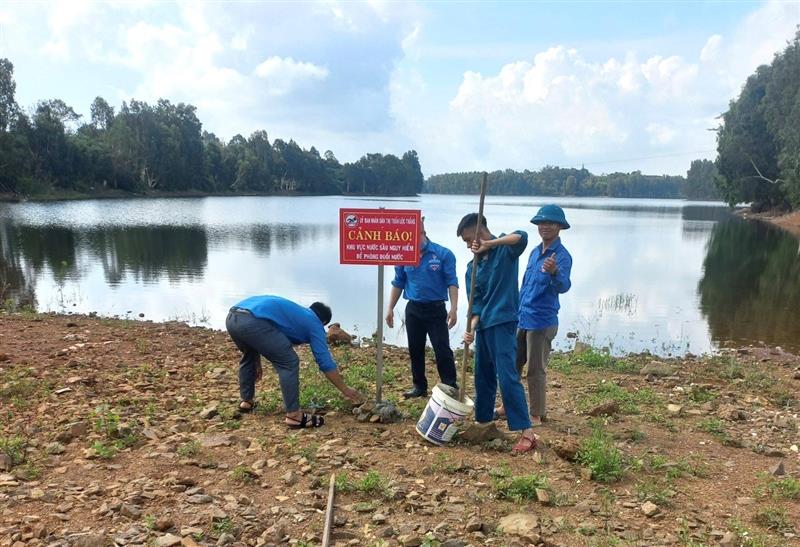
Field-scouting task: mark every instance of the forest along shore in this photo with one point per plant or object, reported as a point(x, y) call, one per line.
point(127, 431)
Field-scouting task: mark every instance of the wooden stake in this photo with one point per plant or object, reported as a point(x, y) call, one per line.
point(326, 532)
point(462, 385)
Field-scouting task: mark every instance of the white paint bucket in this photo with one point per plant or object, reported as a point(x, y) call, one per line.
point(443, 414)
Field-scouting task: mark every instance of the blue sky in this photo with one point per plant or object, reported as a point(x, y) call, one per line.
point(469, 85)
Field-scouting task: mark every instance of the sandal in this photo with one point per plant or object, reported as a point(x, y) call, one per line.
point(499, 413)
point(307, 421)
point(525, 444)
point(247, 406)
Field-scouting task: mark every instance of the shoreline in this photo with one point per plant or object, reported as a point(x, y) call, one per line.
point(127, 431)
point(789, 222)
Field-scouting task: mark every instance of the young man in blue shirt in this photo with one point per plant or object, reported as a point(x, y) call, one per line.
point(493, 325)
point(427, 287)
point(547, 276)
point(269, 326)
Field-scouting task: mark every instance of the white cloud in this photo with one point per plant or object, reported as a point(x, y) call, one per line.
point(240, 39)
point(711, 49)
point(561, 109)
point(284, 74)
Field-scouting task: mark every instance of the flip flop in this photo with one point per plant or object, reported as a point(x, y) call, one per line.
point(307, 421)
point(247, 406)
point(499, 413)
point(525, 444)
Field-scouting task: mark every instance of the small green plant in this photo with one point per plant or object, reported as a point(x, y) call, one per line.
point(103, 450)
point(520, 488)
point(149, 522)
point(636, 436)
point(344, 484)
point(309, 452)
point(29, 471)
point(658, 491)
point(189, 449)
point(14, 447)
point(242, 474)
point(106, 421)
point(599, 454)
point(222, 526)
point(269, 401)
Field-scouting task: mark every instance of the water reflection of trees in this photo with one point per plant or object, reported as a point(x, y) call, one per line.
point(750, 290)
point(16, 289)
point(263, 238)
point(148, 253)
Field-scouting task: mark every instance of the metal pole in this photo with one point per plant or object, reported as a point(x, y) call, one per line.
point(462, 388)
point(379, 358)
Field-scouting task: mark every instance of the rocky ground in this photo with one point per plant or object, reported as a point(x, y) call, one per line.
point(125, 432)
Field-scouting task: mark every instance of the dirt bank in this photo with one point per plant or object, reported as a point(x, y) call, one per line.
point(788, 221)
point(125, 431)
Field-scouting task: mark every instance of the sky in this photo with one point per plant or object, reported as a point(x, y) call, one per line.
point(613, 86)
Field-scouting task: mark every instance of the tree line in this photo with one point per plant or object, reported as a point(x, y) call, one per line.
point(558, 181)
point(145, 148)
point(758, 142)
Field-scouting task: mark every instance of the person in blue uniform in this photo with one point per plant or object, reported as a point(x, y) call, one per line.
point(270, 325)
point(493, 325)
point(547, 276)
point(427, 288)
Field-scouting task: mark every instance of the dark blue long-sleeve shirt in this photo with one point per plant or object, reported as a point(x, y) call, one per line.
point(496, 298)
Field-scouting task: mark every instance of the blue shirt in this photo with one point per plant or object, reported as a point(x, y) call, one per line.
point(539, 294)
point(429, 281)
point(496, 285)
point(300, 325)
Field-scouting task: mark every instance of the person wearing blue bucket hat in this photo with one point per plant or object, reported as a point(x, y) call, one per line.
point(546, 276)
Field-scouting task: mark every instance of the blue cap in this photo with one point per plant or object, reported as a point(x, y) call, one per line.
point(551, 213)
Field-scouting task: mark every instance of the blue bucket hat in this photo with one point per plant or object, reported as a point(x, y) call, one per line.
point(551, 213)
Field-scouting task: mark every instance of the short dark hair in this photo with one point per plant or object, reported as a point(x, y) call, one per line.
point(322, 311)
point(469, 221)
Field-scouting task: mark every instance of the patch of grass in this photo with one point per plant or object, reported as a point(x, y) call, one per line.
point(344, 484)
point(269, 401)
point(773, 518)
point(30, 471)
point(628, 401)
point(189, 449)
point(636, 436)
point(715, 427)
point(371, 483)
point(599, 454)
point(18, 387)
point(750, 538)
point(520, 488)
point(593, 359)
point(443, 464)
point(14, 447)
point(242, 474)
point(104, 450)
point(701, 394)
point(658, 491)
point(150, 522)
point(309, 452)
point(787, 488)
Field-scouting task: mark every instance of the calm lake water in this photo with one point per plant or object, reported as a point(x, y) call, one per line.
point(665, 276)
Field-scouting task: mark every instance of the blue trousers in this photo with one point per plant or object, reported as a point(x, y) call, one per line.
point(495, 362)
point(256, 337)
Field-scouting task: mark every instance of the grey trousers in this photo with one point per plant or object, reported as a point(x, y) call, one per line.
point(256, 337)
point(533, 349)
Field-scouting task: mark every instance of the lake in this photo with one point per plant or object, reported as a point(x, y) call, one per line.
point(665, 276)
